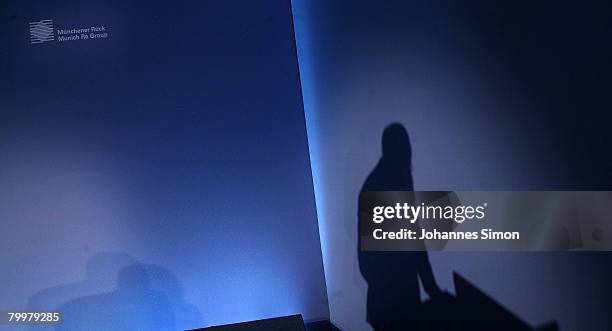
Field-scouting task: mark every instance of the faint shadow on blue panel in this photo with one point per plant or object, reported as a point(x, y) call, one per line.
point(144, 297)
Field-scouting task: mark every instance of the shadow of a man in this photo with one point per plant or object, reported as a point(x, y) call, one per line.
point(133, 305)
point(392, 277)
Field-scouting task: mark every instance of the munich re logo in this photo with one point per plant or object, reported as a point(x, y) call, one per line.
point(41, 31)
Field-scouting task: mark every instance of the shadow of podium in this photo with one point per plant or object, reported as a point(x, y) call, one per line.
point(471, 309)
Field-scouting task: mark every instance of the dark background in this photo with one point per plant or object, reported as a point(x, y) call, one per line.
point(105, 148)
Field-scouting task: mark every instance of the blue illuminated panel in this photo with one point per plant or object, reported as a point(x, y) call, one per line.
point(154, 169)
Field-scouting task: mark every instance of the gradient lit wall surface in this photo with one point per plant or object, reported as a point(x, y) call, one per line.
point(496, 95)
point(160, 177)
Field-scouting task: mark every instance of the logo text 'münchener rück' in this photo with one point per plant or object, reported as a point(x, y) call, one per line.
point(92, 32)
point(44, 31)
